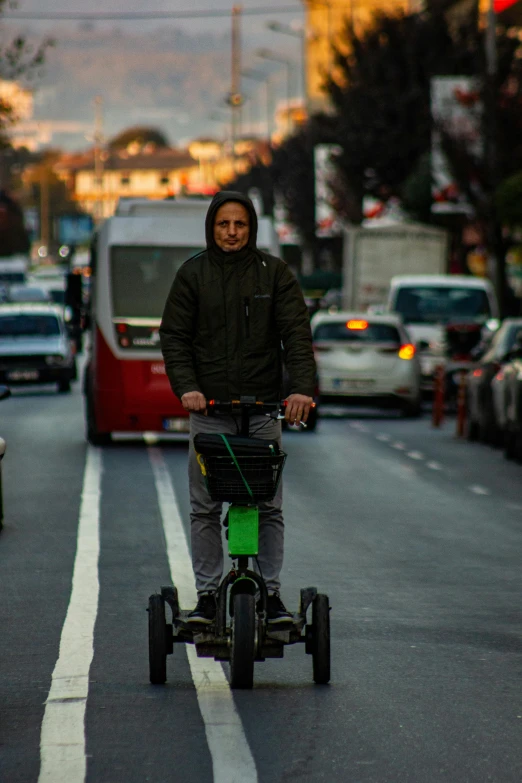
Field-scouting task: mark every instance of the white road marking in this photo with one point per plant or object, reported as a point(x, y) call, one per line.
point(515, 506)
point(434, 465)
point(399, 446)
point(478, 490)
point(415, 455)
point(150, 438)
point(62, 738)
point(232, 760)
point(383, 437)
point(357, 425)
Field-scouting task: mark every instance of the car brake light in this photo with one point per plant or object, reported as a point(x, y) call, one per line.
point(121, 328)
point(477, 373)
point(407, 351)
point(357, 325)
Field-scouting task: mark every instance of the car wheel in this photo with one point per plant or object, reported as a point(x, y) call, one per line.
point(94, 437)
point(472, 431)
point(413, 409)
point(64, 386)
point(509, 444)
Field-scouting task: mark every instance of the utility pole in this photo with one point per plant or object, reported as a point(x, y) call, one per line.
point(495, 243)
point(44, 205)
point(235, 99)
point(98, 159)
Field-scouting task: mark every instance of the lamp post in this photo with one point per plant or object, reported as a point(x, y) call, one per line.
point(265, 79)
point(268, 54)
point(286, 29)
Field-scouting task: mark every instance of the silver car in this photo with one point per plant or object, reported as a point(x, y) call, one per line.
point(507, 399)
point(35, 346)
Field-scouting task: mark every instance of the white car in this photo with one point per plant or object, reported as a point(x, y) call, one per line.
point(35, 346)
point(506, 389)
point(366, 358)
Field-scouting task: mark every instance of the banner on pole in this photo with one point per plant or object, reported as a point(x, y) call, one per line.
point(327, 224)
point(456, 107)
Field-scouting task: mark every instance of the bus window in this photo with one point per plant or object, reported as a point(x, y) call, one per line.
point(141, 278)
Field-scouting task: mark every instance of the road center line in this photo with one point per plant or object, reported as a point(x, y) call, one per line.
point(62, 738)
point(478, 490)
point(383, 437)
point(415, 455)
point(232, 760)
point(399, 446)
point(434, 465)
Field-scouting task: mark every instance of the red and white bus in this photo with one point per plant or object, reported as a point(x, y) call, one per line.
point(134, 260)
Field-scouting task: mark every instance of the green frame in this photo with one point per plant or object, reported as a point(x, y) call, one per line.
point(243, 530)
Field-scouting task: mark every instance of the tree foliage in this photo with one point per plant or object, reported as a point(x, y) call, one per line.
point(141, 136)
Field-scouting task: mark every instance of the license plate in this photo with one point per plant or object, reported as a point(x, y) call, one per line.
point(23, 375)
point(176, 425)
point(352, 385)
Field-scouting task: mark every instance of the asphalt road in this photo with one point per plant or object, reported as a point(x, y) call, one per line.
point(415, 536)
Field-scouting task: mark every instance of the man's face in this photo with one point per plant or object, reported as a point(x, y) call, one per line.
point(231, 226)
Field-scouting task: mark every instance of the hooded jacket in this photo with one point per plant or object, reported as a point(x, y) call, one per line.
point(227, 316)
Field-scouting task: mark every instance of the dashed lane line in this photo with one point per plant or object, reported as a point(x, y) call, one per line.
point(232, 760)
point(434, 465)
point(62, 737)
point(399, 446)
point(415, 455)
point(383, 437)
point(479, 490)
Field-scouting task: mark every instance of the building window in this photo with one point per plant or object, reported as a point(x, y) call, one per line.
point(125, 179)
point(165, 179)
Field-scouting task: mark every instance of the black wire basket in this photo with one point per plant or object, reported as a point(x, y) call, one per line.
point(262, 474)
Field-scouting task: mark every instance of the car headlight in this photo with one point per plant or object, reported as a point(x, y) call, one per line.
point(56, 359)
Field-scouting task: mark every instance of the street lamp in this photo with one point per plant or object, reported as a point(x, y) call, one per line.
point(264, 78)
point(268, 54)
point(286, 29)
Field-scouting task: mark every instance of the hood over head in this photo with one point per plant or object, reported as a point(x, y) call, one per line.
point(221, 198)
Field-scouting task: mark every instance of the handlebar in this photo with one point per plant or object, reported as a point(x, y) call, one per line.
point(248, 405)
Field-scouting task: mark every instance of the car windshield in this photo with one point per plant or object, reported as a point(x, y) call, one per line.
point(142, 277)
point(27, 294)
point(371, 333)
point(441, 304)
point(28, 325)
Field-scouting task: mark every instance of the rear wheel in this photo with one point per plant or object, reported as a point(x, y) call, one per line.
point(472, 431)
point(413, 409)
point(64, 386)
point(242, 651)
point(321, 639)
point(157, 640)
point(92, 434)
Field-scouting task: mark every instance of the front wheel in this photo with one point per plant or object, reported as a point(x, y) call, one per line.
point(64, 386)
point(157, 640)
point(321, 639)
point(242, 652)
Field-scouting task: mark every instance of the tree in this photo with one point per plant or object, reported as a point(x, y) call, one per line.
point(18, 59)
point(381, 93)
point(141, 136)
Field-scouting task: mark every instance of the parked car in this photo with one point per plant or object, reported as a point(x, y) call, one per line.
point(5, 392)
point(482, 420)
point(370, 359)
point(507, 399)
point(35, 346)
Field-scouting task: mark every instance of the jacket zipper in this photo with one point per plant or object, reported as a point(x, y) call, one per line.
point(246, 302)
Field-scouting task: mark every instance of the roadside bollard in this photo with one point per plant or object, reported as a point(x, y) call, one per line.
point(438, 396)
point(461, 404)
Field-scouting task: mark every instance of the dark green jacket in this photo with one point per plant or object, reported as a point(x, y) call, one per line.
point(224, 322)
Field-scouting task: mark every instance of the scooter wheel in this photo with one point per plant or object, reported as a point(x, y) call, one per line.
point(321, 639)
point(242, 651)
point(157, 640)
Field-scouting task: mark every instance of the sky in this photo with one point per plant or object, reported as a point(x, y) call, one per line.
point(254, 34)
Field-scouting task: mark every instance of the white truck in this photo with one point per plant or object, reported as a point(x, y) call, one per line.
point(372, 256)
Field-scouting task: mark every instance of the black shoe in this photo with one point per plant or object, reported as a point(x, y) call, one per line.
point(276, 612)
point(205, 611)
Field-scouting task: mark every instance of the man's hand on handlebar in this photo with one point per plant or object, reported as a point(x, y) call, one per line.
point(297, 408)
point(194, 402)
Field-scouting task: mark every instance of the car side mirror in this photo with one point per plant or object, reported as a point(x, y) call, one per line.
point(5, 392)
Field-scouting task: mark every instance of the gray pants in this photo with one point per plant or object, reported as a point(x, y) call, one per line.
point(205, 518)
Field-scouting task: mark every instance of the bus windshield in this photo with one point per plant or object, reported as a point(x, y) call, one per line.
point(441, 304)
point(142, 277)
